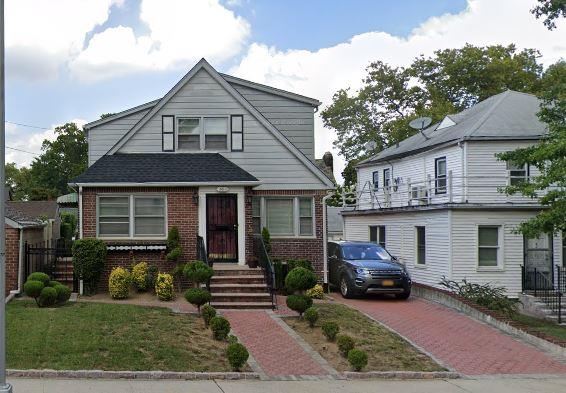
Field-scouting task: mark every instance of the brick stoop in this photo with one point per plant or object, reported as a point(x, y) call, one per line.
point(239, 287)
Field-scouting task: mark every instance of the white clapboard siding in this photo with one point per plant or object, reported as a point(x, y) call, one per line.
point(400, 239)
point(103, 137)
point(263, 156)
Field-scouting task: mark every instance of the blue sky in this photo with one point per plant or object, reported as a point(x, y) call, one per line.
point(119, 53)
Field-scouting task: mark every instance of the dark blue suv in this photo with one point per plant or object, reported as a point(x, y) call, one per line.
point(358, 268)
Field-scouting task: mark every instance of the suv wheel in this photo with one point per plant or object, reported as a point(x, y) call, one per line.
point(403, 296)
point(345, 288)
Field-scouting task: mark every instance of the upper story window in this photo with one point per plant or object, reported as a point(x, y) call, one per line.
point(188, 134)
point(202, 133)
point(386, 178)
point(517, 174)
point(375, 179)
point(215, 133)
point(440, 175)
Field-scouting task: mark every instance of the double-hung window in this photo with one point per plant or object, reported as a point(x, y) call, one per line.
point(131, 216)
point(215, 133)
point(421, 245)
point(188, 133)
point(305, 217)
point(204, 133)
point(489, 248)
point(284, 216)
point(375, 179)
point(279, 216)
point(517, 174)
point(377, 234)
point(440, 175)
point(386, 179)
point(256, 215)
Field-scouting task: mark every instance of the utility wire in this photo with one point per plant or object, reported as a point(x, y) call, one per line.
point(23, 151)
point(27, 125)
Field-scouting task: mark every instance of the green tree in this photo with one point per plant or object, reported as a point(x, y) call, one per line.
point(19, 181)
point(61, 160)
point(548, 156)
point(550, 10)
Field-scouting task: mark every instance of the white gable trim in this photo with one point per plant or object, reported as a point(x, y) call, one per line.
point(203, 64)
point(119, 115)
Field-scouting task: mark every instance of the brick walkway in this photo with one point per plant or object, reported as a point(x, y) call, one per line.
point(468, 346)
point(277, 353)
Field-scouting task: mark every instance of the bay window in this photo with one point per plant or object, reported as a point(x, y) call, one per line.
point(284, 216)
point(131, 216)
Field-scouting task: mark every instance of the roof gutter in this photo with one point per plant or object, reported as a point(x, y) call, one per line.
point(166, 184)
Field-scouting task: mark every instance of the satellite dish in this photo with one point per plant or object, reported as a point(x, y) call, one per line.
point(370, 146)
point(420, 123)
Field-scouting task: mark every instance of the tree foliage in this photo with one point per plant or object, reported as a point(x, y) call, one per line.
point(548, 156)
point(550, 10)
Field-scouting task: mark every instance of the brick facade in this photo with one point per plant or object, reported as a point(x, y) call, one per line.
point(182, 212)
point(291, 248)
point(12, 258)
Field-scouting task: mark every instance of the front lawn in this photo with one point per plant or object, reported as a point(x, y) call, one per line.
point(99, 336)
point(540, 325)
point(386, 351)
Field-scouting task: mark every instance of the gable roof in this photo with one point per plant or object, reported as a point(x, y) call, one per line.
point(19, 219)
point(203, 64)
point(36, 209)
point(510, 115)
point(164, 168)
point(121, 114)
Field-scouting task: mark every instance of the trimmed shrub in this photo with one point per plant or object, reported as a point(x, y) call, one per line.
point(164, 286)
point(47, 297)
point(198, 272)
point(304, 263)
point(237, 356)
point(299, 303)
point(208, 312)
point(345, 344)
point(358, 359)
point(330, 330)
point(33, 289)
point(152, 272)
point(232, 339)
point(63, 293)
point(311, 315)
point(139, 276)
point(266, 236)
point(197, 297)
point(299, 280)
point(220, 327)
point(54, 283)
point(89, 257)
point(119, 283)
point(316, 292)
point(173, 245)
point(39, 276)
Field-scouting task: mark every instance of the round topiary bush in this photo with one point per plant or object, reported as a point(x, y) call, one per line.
point(311, 315)
point(54, 283)
point(220, 327)
point(119, 283)
point(358, 359)
point(33, 289)
point(345, 344)
point(198, 272)
point(164, 286)
point(299, 303)
point(299, 280)
point(208, 312)
point(89, 258)
point(39, 276)
point(232, 339)
point(139, 276)
point(47, 297)
point(237, 356)
point(197, 297)
point(330, 330)
point(63, 293)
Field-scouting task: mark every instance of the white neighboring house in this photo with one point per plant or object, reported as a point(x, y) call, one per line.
point(434, 202)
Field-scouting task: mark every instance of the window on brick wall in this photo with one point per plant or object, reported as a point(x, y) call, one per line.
point(256, 215)
point(284, 216)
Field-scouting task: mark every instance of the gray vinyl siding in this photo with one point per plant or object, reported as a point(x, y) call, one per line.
point(400, 235)
point(294, 119)
point(103, 137)
point(264, 156)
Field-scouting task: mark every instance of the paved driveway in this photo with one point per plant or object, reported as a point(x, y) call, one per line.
point(464, 344)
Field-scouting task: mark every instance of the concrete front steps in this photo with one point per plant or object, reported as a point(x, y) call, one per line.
point(539, 306)
point(238, 287)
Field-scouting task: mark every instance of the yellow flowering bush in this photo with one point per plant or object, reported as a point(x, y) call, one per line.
point(316, 292)
point(119, 283)
point(139, 276)
point(164, 286)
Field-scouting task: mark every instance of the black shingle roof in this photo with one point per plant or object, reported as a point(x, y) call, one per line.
point(163, 168)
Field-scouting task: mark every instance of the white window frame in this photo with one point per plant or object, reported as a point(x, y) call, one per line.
point(131, 235)
point(202, 134)
point(296, 216)
point(500, 249)
point(417, 264)
point(510, 169)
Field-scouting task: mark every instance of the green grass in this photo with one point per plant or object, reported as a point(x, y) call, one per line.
point(109, 337)
point(386, 351)
point(543, 326)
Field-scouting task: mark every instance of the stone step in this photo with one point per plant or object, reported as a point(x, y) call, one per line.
point(249, 288)
point(237, 272)
point(241, 305)
point(240, 297)
point(235, 279)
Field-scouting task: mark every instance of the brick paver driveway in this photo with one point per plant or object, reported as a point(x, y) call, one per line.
point(466, 345)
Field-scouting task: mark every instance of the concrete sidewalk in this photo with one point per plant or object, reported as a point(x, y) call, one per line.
point(499, 385)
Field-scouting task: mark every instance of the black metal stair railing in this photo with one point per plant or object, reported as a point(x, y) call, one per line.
point(548, 287)
point(265, 263)
point(203, 256)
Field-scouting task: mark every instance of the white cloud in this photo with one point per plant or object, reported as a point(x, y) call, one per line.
point(319, 74)
point(43, 35)
point(181, 32)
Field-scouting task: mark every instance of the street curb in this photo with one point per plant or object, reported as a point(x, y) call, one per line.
point(401, 375)
point(142, 375)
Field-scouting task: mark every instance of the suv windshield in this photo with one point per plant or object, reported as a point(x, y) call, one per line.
point(365, 252)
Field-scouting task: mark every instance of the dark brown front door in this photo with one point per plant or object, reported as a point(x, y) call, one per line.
point(222, 228)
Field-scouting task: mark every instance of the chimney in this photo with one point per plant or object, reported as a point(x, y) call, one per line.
point(328, 160)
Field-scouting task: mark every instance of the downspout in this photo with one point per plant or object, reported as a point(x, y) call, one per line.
point(80, 212)
point(325, 240)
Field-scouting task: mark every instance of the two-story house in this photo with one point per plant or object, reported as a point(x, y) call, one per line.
point(434, 199)
point(217, 156)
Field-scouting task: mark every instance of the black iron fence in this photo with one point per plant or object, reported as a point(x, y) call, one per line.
point(267, 267)
point(548, 286)
point(54, 258)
